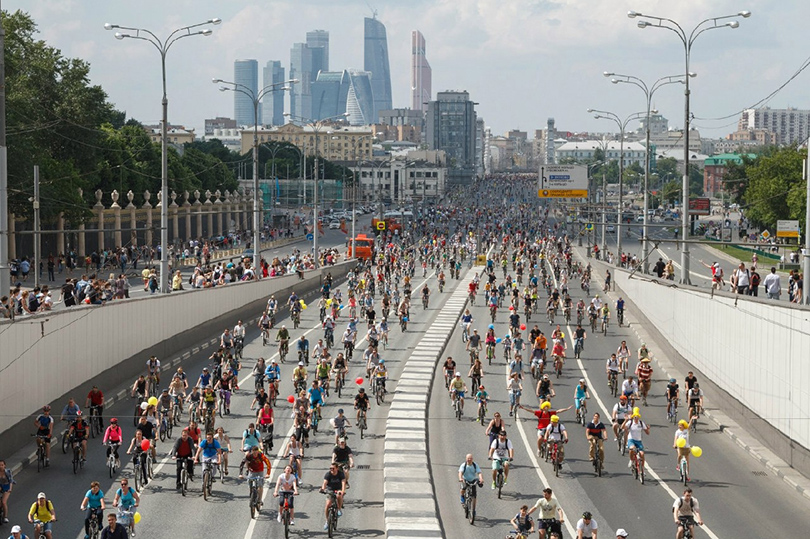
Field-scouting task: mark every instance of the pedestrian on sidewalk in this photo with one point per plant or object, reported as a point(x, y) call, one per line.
point(772, 284)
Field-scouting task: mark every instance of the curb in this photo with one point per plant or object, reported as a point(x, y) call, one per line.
point(409, 500)
point(725, 424)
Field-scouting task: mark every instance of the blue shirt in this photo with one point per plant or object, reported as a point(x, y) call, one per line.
point(315, 394)
point(44, 421)
point(205, 379)
point(127, 498)
point(620, 305)
point(210, 450)
point(272, 372)
point(70, 412)
point(94, 500)
point(579, 393)
point(469, 471)
point(466, 318)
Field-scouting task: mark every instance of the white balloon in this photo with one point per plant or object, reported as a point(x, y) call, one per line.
point(144, 405)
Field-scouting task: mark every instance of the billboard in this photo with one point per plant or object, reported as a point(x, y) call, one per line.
point(787, 229)
point(700, 206)
point(563, 181)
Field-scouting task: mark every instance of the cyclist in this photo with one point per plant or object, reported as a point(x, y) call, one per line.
point(114, 437)
point(644, 372)
point(183, 452)
point(294, 450)
point(682, 433)
point(6, 484)
point(672, 392)
point(596, 434)
point(256, 462)
point(204, 381)
point(373, 337)
point(643, 352)
point(522, 522)
point(95, 400)
point(466, 322)
point(381, 374)
point(515, 390)
point(126, 499)
point(695, 398)
point(685, 512)
point(177, 389)
point(425, 295)
point(545, 389)
point(302, 346)
point(315, 394)
point(481, 396)
point(283, 339)
point(208, 403)
point(612, 368)
point(224, 442)
point(342, 456)
point(272, 307)
point(596, 302)
point(587, 527)
point(469, 472)
point(348, 341)
point(623, 353)
point(620, 308)
point(551, 516)
point(44, 424)
point(165, 404)
point(78, 432)
point(264, 325)
point(449, 368)
point(383, 330)
point(340, 368)
point(501, 453)
point(265, 420)
point(580, 336)
point(273, 374)
point(194, 401)
point(299, 376)
point(340, 423)
point(153, 369)
point(93, 504)
point(538, 351)
point(581, 393)
point(580, 309)
point(139, 387)
point(630, 389)
point(70, 412)
point(635, 428)
point(43, 511)
point(286, 488)
point(323, 373)
point(621, 413)
point(238, 333)
point(210, 451)
point(474, 345)
point(555, 432)
point(457, 389)
point(361, 403)
point(604, 314)
point(334, 480)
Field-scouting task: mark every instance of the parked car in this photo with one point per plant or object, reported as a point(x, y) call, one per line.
point(334, 225)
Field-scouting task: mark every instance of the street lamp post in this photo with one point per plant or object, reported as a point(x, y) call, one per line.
point(316, 126)
point(354, 190)
point(687, 41)
point(163, 45)
point(591, 232)
point(607, 115)
point(648, 93)
point(256, 99)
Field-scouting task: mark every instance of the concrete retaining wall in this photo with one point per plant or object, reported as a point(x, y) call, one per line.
point(46, 356)
point(756, 350)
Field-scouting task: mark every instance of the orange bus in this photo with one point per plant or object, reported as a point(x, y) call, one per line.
point(364, 246)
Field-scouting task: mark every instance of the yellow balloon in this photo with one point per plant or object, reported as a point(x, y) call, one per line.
point(136, 517)
point(562, 335)
point(304, 306)
point(681, 442)
point(328, 302)
point(696, 452)
point(152, 401)
point(636, 410)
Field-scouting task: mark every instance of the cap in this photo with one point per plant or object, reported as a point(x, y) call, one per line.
point(41, 495)
point(672, 380)
point(545, 377)
point(340, 410)
point(582, 380)
point(480, 387)
point(458, 374)
point(545, 406)
point(555, 419)
point(341, 440)
point(300, 363)
point(205, 369)
point(623, 398)
point(646, 360)
point(16, 529)
point(274, 361)
point(621, 532)
point(46, 408)
point(382, 361)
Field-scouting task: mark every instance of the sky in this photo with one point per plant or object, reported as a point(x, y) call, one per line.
point(523, 61)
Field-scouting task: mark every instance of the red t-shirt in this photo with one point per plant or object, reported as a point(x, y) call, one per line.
point(544, 417)
point(96, 399)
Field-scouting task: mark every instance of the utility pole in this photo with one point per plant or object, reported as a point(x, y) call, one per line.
point(604, 213)
point(37, 246)
point(806, 258)
point(5, 274)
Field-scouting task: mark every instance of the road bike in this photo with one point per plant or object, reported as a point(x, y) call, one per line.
point(638, 468)
point(112, 464)
point(469, 500)
point(207, 479)
point(332, 514)
point(613, 382)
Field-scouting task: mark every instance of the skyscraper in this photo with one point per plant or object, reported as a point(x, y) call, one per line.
point(245, 73)
point(376, 62)
point(451, 126)
point(301, 69)
point(273, 101)
point(318, 41)
point(421, 73)
point(336, 93)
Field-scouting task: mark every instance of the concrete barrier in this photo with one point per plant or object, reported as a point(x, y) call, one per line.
point(754, 349)
point(45, 357)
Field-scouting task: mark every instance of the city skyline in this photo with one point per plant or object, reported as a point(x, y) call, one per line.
point(543, 60)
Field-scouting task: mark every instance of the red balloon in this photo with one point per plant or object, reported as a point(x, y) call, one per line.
point(291, 399)
point(145, 445)
point(511, 308)
point(522, 327)
point(359, 381)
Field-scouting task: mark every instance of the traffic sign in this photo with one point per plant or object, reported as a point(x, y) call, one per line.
point(589, 226)
point(787, 229)
point(563, 181)
point(310, 236)
point(380, 225)
point(765, 234)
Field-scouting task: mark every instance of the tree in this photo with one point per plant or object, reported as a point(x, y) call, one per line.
point(776, 189)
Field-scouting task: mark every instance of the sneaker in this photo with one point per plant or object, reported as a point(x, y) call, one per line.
point(325, 526)
point(462, 500)
point(133, 532)
point(5, 521)
point(505, 482)
point(177, 487)
point(278, 518)
point(340, 513)
point(292, 523)
point(629, 463)
point(493, 485)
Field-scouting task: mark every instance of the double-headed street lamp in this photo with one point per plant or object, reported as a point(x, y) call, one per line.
point(648, 92)
point(163, 45)
point(687, 40)
point(316, 126)
point(256, 99)
point(607, 115)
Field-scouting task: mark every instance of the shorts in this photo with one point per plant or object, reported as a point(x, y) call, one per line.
point(497, 464)
point(548, 524)
point(460, 394)
point(314, 404)
point(5, 488)
point(683, 452)
point(635, 445)
point(541, 433)
point(257, 476)
point(286, 495)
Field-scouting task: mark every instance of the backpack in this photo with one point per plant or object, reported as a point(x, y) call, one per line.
point(755, 279)
point(691, 503)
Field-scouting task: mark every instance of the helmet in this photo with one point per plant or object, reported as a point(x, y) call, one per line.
point(362, 390)
point(205, 369)
point(458, 375)
point(114, 420)
point(697, 385)
point(480, 387)
point(582, 380)
point(46, 408)
point(382, 361)
point(545, 406)
point(672, 380)
point(683, 423)
point(79, 413)
point(340, 410)
point(623, 398)
point(586, 515)
point(555, 419)
point(165, 390)
point(596, 296)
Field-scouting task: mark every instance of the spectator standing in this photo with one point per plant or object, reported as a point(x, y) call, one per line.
point(772, 284)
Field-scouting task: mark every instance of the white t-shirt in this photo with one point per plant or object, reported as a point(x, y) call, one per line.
point(501, 449)
point(555, 433)
point(238, 331)
point(622, 412)
point(548, 508)
point(682, 434)
point(635, 430)
point(587, 529)
point(686, 509)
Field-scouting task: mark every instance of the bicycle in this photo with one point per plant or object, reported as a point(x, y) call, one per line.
point(94, 526)
point(620, 314)
point(66, 437)
point(361, 423)
point(482, 411)
point(621, 441)
point(39, 529)
point(253, 501)
point(567, 313)
point(493, 311)
point(379, 391)
point(283, 348)
point(208, 421)
point(40, 452)
point(672, 411)
point(112, 465)
point(286, 514)
point(339, 383)
point(553, 454)
point(332, 514)
point(514, 534)
point(424, 302)
point(296, 316)
point(695, 410)
point(465, 333)
point(78, 462)
point(514, 402)
point(207, 479)
point(184, 476)
point(499, 475)
point(578, 345)
point(683, 470)
point(490, 353)
point(266, 335)
point(582, 412)
point(238, 347)
point(469, 500)
point(151, 384)
point(686, 522)
point(613, 382)
point(457, 410)
point(140, 398)
point(597, 462)
point(165, 427)
point(471, 297)
point(177, 410)
point(403, 323)
point(559, 361)
point(96, 426)
point(604, 325)
point(638, 468)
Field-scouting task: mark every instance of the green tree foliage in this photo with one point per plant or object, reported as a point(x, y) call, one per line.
point(775, 187)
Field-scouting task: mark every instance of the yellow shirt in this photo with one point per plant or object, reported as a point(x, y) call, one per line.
point(43, 513)
point(457, 384)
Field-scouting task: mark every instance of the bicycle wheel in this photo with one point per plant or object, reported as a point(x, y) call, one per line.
point(598, 464)
point(253, 496)
point(556, 467)
point(285, 518)
point(76, 460)
point(111, 465)
point(206, 481)
point(682, 469)
point(162, 430)
point(149, 470)
point(41, 458)
point(481, 414)
point(339, 386)
point(137, 477)
point(499, 483)
point(183, 480)
point(176, 411)
point(641, 473)
point(362, 426)
point(470, 511)
point(65, 442)
point(221, 406)
point(332, 522)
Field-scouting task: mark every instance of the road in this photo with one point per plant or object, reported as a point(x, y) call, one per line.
point(364, 508)
point(726, 480)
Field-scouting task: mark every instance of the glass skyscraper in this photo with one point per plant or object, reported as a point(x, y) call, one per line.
point(273, 101)
point(245, 73)
point(376, 62)
point(421, 73)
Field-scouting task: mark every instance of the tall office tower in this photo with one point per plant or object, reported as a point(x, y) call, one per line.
point(318, 41)
point(451, 126)
point(245, 73)
point(336, 93)
point(376, 62)
point(301, 69)
point(421, 73)
point(273, 101)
